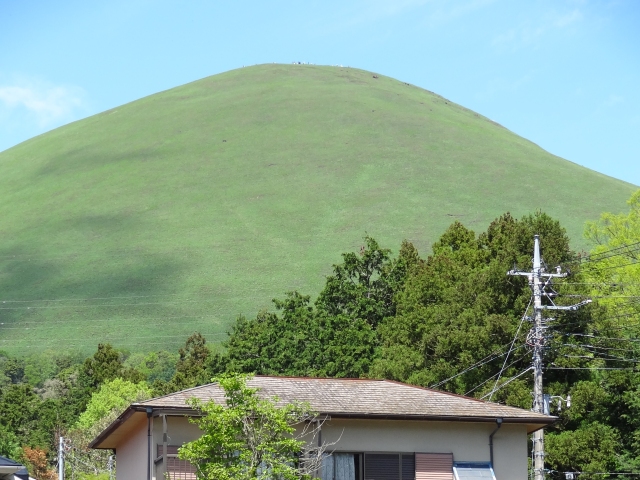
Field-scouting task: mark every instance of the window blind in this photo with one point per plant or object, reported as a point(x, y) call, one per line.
point(381, 466)
point(434, 466)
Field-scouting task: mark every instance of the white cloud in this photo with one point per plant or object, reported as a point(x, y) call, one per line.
point(48, 104)
point(454, 11)
point(531, 32)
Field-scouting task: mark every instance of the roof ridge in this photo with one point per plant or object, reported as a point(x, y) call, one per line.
point(174, 393)
point(397, 382)
point(278, 378)
point(295, 377)
point(291, 377)
point(429, 389)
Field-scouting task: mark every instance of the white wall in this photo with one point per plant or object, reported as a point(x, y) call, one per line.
point(467, 441)
point(131, 454)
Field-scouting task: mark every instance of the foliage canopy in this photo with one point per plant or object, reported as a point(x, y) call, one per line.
point(249, 437)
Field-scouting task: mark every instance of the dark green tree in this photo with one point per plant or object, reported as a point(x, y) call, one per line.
point(337, 335)
point(192, 369)
point(458, 309)
point(286, 342)
point(248, 437)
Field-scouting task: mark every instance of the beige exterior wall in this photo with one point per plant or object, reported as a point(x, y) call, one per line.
point(468, 442)
point(131, 455)
point(179, 431)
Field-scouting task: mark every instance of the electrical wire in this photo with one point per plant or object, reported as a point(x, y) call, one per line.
point(494, 375)
point(614, 252)
point(478, 364)
point(632, 340)
point(109, 338)
point(45, 326)
point(610, 267)
point(111, 320)
point(582, 345)
point(524, 315)
point(506, 383)
point(109, 305)
point(611, 359)
point(40, 346)
point(633, 369)
point(87, 299)
point(596, 296)
point(602, 284)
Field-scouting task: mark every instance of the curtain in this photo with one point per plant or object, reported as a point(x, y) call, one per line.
point(339, 466)
point(345, 466)
point(327, 467)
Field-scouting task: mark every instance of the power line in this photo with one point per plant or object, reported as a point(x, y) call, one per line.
point(618, 266)
point(611, 358)
point(524, 315)
point(494, 375)
point(614, 252)
point(634, 369)
point(581, 345)
point(506, 383)
point(109, 338)
point(478, 364)
point(590, 321)
point(45, 326)
point(87, 320)
point(87, 299)
point(575, 295)
point(602, 473)
point(108, 305)
point(603, 284)
point(632, 340)
point(66, 345)
point(133, 253)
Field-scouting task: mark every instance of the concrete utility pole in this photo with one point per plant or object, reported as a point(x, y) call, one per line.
point(61, 458)
point(539, 280)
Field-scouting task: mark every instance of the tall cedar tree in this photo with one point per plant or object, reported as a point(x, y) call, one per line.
point(336, 336)
point(458, 308)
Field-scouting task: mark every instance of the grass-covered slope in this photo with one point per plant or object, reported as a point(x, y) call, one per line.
point(181, 210)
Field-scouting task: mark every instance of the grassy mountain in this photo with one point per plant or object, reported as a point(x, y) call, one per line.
point(179, 211)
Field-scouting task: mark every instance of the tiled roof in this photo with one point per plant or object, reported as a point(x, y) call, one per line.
point(7, 462)
point(360, 398)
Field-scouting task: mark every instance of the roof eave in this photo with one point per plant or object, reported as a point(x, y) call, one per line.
point(536, 422)
point(134, 408)
point(113, 426)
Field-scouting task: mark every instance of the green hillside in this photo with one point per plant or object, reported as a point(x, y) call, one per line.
point(181, 210)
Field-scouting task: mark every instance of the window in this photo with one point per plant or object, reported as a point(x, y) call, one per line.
point(389, 466)
point(342, 466)
point(434, 466)
point(473, 471)
point(176, 469)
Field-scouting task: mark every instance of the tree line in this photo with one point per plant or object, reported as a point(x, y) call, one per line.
point(452, 320)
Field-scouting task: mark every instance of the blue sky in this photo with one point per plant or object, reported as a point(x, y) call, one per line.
point(564, 73)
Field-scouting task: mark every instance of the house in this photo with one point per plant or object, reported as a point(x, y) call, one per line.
point(383, 430)
point(10, 470)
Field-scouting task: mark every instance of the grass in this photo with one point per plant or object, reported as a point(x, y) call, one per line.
point(179, 211)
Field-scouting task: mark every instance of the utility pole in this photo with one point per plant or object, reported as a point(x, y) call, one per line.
point(61, 458)
point(539, 281)
point(110, 466)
